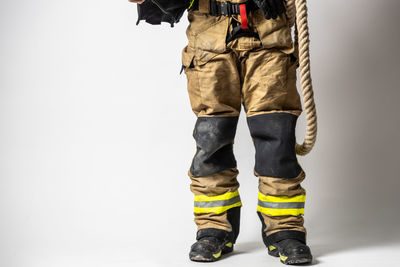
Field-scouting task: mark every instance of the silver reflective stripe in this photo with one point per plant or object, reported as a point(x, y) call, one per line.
point(216, 203)
point(281, 205)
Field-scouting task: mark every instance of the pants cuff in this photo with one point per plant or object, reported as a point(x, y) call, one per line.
point(281, 235)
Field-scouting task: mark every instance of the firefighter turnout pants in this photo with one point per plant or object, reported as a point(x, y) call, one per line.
point(259, 73)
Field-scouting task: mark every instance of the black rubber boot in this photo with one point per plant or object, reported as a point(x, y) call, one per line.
point(291, 251)
point(211, 244)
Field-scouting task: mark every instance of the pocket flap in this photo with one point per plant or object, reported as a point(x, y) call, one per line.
point(202, 57)
point(197, 57)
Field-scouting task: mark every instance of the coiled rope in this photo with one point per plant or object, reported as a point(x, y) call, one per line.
point(296, 11)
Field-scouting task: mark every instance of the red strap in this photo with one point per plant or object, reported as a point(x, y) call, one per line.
point(243, 16)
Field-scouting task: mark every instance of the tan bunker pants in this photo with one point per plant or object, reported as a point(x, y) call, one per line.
point(260, 74)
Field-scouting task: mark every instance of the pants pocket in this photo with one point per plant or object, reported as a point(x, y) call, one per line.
point(273, 33)
point(213, 83)
point(207, 32)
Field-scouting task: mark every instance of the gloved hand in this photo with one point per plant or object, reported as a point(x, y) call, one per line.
point(271, 8)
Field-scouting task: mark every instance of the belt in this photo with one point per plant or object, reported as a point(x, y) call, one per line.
point(228, 9)
point(225, 8)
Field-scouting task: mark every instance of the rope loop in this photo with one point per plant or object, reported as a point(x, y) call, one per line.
point(296, 11)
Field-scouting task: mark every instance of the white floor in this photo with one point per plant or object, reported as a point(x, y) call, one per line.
point(158, 246)
point(247, 253)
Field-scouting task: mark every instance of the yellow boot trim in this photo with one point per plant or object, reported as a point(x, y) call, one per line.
point(217, 255)
point(229, 245)
point(283, 258)
point(271, 247)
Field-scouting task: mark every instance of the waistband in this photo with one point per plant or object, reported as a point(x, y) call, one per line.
point(227, 8)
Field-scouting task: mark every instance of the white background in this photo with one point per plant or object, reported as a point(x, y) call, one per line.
point(95, 139)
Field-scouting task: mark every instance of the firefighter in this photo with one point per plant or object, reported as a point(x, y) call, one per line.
point(241, 53)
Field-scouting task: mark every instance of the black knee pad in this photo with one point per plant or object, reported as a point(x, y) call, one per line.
point(274, 140)
point(214, 139)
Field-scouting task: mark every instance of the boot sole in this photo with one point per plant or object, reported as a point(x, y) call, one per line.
point(292, 260)
point(193, 256)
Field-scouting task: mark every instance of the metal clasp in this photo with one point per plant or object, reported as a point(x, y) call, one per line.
point(225, 8)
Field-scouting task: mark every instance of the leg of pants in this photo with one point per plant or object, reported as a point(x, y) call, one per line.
point(214, 91)
point(272, 106)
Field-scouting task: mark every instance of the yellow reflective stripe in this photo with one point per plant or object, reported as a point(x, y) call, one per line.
point(225, 196)
point(275, 199)
point(280, 212)
point(216, 209)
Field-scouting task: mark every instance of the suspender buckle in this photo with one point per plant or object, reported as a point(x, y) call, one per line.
point(225, 8)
